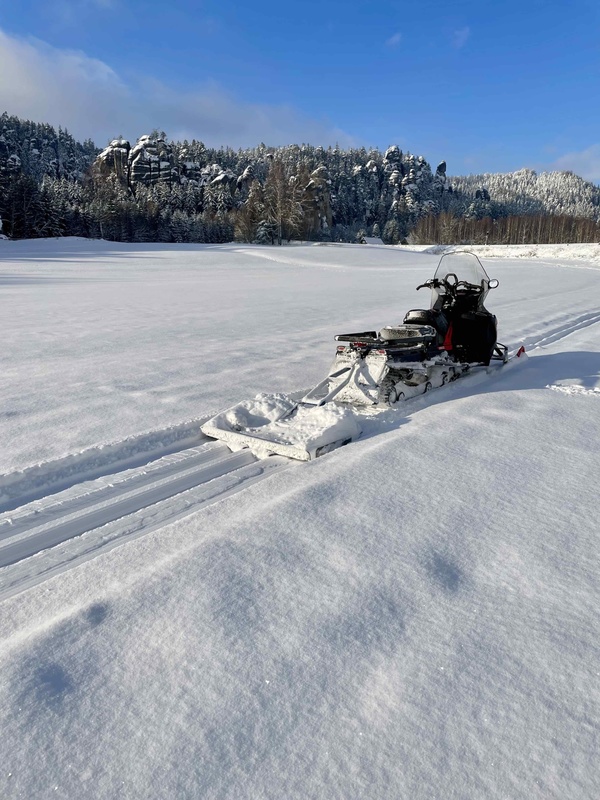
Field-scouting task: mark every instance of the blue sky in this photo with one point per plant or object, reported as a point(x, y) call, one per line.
point(487, 86)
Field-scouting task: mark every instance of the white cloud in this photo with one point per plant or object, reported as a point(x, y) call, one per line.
point(62, 87)
point(86, 96)
point(459, 38)
point(394, 40)
point(585, 163)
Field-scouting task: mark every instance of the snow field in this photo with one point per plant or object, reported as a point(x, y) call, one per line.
point(412, 616)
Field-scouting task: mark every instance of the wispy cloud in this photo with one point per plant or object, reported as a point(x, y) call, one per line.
point(585, 163)
point(394, 40)
point(459, 37)
point(86, 96)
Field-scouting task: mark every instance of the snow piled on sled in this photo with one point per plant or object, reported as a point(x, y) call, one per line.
point(274, 423)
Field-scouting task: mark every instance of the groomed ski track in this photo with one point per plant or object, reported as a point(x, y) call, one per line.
point(56, 515)
point(60, 531)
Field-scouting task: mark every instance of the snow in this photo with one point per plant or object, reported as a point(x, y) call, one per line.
point(268, 426)
point(589, 252)
point(413, 615)
point(574, 389)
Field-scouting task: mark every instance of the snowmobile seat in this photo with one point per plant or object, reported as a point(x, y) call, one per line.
point(408, 334)
point(428, 316)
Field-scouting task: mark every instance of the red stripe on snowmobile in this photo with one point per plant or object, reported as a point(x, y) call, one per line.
point(448, 340)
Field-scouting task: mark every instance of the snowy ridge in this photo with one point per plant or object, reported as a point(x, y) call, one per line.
point(553, 252)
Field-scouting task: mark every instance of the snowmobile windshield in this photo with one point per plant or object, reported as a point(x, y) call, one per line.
point(466, 267)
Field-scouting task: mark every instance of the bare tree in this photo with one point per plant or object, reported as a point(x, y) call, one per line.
point(282, 201)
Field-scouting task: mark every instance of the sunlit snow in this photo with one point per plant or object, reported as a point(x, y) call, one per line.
point(414, 615)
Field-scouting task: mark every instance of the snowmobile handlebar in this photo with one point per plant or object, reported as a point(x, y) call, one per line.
point(441, 283)
point(471, 287)
point(450, 284)
point(432, 283)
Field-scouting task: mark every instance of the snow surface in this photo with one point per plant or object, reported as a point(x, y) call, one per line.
point(269, 418)
point(412, 616)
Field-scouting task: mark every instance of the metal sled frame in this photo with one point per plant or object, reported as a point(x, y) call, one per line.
point(354, 372)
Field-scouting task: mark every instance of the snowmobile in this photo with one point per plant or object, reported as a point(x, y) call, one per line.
point(430, 348)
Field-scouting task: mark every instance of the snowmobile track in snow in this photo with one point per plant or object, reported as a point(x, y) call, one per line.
point(555, 334)
point(161, 493)
point(51, 477)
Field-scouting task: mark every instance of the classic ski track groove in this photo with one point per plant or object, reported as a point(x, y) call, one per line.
point(91, 517)
point(242, 470)
point(50, 477)
point(62, 509)
point(559, 332)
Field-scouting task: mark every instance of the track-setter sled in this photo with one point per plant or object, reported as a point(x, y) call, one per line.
point(431, 347)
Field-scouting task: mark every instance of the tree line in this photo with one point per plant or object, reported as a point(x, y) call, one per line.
point(159, 190)
point(445, 228)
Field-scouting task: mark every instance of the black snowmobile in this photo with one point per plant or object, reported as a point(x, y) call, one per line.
point(429, 348)
point(464, 327)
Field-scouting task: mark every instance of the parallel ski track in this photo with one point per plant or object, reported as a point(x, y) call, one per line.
point(559, 332)
point(30, 532)
point(51, 477)
point(113, 501)
point(196, 481)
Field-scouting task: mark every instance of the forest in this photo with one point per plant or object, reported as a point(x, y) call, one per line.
point(156, 190)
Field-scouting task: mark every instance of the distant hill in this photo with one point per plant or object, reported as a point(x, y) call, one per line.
point(528, 192)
